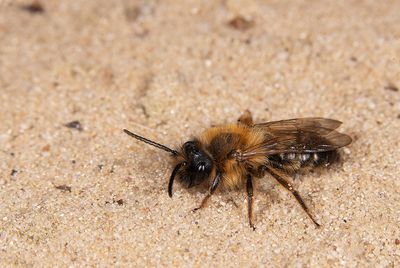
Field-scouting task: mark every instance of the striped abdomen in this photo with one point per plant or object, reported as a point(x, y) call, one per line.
point(292, 162)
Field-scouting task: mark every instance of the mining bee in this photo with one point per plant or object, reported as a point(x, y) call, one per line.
point(232, 156)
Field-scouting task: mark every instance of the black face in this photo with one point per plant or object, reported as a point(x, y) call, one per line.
point(199, 164)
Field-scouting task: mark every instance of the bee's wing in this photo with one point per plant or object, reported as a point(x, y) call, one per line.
point(316, 125)
point(303, 135)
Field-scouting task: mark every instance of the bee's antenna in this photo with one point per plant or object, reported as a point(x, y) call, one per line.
point(171, 179)
point(153, 143)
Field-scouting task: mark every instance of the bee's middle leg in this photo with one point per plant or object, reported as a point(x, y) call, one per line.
point(213, 187)
point(249, 189)
point(246, 118)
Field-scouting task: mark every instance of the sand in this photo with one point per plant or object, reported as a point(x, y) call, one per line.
point(92, 196)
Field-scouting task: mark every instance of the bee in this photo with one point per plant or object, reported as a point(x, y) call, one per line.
point(233, 156)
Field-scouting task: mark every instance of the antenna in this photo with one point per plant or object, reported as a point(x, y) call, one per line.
point(153, 143)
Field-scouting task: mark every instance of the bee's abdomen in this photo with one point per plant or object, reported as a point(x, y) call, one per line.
point(296, 161)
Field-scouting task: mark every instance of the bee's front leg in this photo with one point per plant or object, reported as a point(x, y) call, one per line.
point(213, 187)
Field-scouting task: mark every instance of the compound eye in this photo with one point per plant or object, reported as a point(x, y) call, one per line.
point(190, 148)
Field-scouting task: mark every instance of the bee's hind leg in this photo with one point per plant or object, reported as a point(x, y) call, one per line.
point(281, 179)
point(213, 187)
point(246, 118)
point(249, 189)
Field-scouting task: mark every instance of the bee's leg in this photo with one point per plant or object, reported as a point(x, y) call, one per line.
point(246, 118)
point(213, 187)
point(249, 189)
point(281, 179)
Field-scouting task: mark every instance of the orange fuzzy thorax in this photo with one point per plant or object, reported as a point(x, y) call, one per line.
point(221, 141)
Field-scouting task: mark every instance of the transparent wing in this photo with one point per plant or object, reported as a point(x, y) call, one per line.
point(317, 125)
point(302, 135)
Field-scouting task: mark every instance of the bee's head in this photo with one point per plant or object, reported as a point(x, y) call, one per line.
point(198, 164)
point(195, 163)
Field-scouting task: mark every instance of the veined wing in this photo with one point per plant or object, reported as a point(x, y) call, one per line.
point(302, 135)
point(318, 125)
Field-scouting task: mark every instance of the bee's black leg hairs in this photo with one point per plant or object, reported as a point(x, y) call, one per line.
point(213, 187)
point(280, 178)
point(246, 118)
point(249, 189)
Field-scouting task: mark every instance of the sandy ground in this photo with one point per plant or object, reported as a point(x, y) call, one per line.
point(167, 70)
